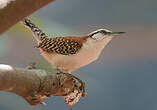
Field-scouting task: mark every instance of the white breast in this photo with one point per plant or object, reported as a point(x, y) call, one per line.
point(67, 63)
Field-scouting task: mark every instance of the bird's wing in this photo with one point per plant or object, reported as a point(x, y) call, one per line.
point(62, 45)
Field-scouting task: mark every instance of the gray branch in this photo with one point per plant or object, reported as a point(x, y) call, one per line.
point(34, 84)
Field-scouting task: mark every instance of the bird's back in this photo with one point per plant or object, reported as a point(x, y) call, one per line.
point(62, 45)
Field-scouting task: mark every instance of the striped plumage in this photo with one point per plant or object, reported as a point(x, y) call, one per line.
point(70, 52)
point(39, 35)
point(61, 45)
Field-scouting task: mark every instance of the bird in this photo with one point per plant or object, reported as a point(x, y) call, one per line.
point(69, 53)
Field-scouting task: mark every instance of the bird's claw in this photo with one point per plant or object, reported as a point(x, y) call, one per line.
point(31, 65)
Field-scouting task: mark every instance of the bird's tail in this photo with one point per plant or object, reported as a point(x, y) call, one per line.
point(38, 34)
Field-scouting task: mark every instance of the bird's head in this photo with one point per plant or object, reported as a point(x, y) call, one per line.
point(102, 34)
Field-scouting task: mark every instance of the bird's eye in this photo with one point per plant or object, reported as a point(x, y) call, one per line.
point(104, 32)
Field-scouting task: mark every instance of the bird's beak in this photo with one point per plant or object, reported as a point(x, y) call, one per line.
point(116, 33)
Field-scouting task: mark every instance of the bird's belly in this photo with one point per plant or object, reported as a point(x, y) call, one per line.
point(69, 63)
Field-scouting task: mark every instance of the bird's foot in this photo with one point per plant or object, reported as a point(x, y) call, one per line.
point(31, 65)
point(59, 70)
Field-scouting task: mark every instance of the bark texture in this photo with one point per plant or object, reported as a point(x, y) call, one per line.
point(34, 84)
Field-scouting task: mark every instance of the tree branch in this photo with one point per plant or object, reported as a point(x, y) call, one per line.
point(34, 85)
point(17, 10)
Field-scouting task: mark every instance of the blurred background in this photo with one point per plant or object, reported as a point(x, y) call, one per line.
point(124, 76)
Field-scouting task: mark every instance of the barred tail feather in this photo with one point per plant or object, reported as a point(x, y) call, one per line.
point(38, 34)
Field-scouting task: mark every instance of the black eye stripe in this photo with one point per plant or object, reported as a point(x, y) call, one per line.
point(104, 32)
point(101, 31)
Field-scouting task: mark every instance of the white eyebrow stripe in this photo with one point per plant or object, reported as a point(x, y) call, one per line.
point(97, 31)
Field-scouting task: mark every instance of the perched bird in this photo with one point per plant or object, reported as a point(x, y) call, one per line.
point(70, 52)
